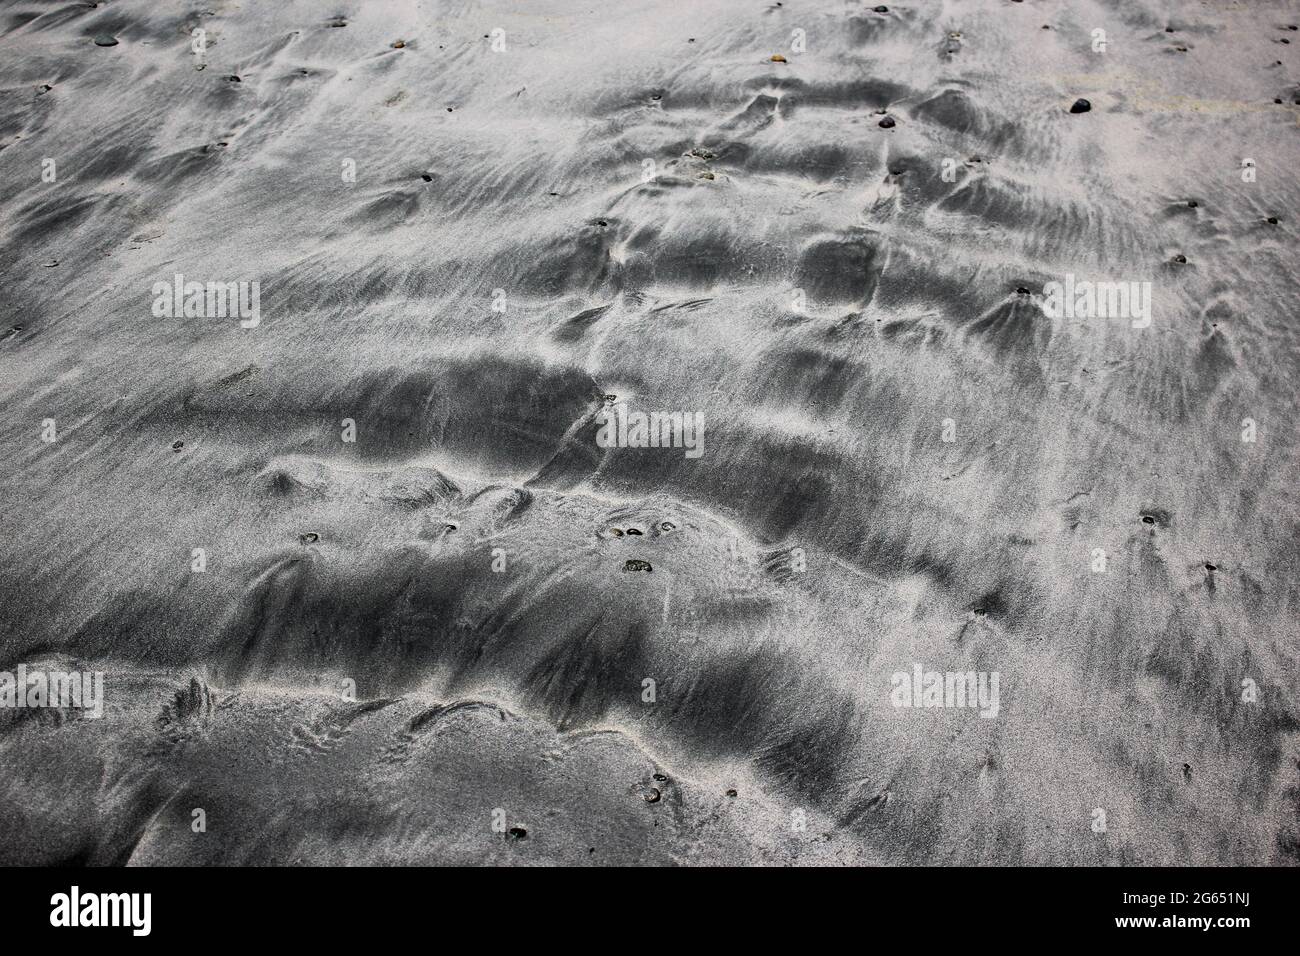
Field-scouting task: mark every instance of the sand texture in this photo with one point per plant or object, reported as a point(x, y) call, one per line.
point(367, 585)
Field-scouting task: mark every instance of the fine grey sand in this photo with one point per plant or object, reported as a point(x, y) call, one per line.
point(366, 585)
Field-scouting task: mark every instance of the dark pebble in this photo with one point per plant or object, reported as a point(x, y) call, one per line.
point(518, 833)
point(105, 40)
point(177, 445)
point(636, 564)
point(1080, 106)
point(311, 537)
point(652, 795)
point(887, 123)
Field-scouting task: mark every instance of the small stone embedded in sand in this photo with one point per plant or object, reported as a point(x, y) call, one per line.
point(398, 44)
point(887, 123)
point(652, 795)
point(881, 9)
point(1080, 106)
point(1192, 204)
point(667, 526)
point(660, 777)
point(1147, 519)
point(518, 833)
point(1021, 290)
point(310, 537)
point(636, 564)
point(1180, 259)
point(177, 445)
point(1210, 567)
point(778, 58)
point(105, 39)
point(731, 794)
point(1272, 220)
point(636, 531)
point(616, 532)
point(234, 79)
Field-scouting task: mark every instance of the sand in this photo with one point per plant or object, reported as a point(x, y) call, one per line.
point(367, 584)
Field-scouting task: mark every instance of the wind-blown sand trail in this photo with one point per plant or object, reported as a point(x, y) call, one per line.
point(365, 587)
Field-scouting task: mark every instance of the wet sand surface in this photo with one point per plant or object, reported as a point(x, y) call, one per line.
point(363, 583)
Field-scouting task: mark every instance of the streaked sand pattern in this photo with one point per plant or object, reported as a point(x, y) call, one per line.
point(808, 280)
